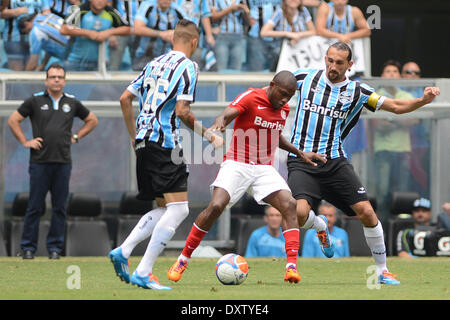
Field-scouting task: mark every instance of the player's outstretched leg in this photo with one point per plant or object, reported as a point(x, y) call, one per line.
point(142, 230)
point(121, 264)
point(192, 242)
point(308, 220)
point(283, 202)
point(326, 245)
point(373, 231)
point(202, 224)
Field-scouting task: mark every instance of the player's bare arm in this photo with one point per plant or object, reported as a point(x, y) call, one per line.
point(126, 103)
point(183, 111)
point(400, 106)
point(222, 121)
point(307, 157)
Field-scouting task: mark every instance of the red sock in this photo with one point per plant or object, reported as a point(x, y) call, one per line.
point(193, 240)
point(292, 244)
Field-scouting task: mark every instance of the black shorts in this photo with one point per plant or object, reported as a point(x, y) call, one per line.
point(335, 182)
point(157, 173)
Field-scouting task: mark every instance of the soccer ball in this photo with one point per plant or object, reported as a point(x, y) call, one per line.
point(231, 269)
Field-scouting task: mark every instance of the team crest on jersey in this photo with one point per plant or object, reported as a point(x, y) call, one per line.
point(317, 90)
point(283, 114)
point(66, 108)
point(345, 97)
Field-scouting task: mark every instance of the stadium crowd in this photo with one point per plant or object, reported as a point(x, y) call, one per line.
point(242, 35)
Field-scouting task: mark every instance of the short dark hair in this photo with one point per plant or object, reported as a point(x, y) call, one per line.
point(285, 78)
point(56, 66)
point(343, 47)
point(394, 63)
point(185, 23)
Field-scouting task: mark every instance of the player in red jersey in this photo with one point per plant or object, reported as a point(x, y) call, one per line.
point(260, 118)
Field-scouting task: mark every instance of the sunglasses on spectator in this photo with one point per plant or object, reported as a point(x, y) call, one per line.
point(56, 77)
point(412, 72)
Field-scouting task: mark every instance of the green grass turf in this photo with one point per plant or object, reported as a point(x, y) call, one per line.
point(324, 279)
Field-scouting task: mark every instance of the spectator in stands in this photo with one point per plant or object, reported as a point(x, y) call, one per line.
point(262, 52)
point(444, 217)
point(3, 5)
point(154, 23)
point(268, 240)
point(420, 139)
point(16, 44)
point(44, 34)
point(229, 18)
point(199, 12)
point(118, 44)
point(411, 70)
point(422, 215)
point(62, 7)
point(392, 145)
point(97, 23)
point(291, 21)
point(51, 114)
point(338, 19)
point(339, 236)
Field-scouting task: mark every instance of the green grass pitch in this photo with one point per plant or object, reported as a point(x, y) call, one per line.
point(93, 278)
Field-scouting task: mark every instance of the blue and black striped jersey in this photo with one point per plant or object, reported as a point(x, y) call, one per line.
point(343, 25)
point(327, 112)
point(163, 81)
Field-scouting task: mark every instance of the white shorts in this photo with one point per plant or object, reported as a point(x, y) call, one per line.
point(259, 180)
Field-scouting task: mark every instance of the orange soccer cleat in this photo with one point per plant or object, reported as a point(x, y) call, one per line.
point(176, 270)
point(292, 274)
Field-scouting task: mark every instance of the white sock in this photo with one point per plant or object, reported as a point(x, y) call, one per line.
point(375, 241)
point(164, 230)
point(184, 258)
point(291, 264)
point(142, 230)
point(314, 222)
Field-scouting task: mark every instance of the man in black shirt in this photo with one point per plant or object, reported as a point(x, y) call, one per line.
point(422, 216)
point(51, 114)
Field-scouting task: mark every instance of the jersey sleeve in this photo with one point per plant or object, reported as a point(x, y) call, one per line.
point(82, 112)
point(136, 84)
point(370, 99)
point(307, 15)
point(188, 83)
point(276, 18)
point(117, 19)
point(142, 11)
point(300, 75)
point(26, 108)
point(205, 10)
point(242, 101)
